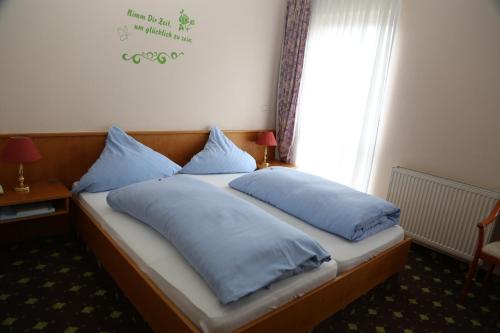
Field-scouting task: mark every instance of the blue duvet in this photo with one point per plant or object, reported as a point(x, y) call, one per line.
point(236, 247)
point(324, 204)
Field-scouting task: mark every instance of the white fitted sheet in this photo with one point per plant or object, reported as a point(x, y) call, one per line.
point(172, 274)
point(347, 254)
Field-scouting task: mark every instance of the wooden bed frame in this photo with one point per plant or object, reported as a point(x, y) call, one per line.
point(77, 151)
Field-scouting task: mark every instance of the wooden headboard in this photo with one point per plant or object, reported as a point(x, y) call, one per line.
point(67, 156)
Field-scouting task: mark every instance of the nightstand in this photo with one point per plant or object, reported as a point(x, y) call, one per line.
point(42, 211)
point(276, 163)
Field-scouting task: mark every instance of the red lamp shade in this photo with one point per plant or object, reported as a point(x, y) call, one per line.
point(266, 139)
point(20, 149)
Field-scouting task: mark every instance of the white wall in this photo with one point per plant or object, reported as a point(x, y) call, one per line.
point(61, 67)
point(443, 113)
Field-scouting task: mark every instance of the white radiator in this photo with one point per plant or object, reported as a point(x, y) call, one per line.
point(439, 212)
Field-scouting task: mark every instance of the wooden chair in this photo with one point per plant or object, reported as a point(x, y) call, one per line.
point(489, 253)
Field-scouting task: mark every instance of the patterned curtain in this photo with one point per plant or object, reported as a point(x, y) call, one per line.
point(292, 58)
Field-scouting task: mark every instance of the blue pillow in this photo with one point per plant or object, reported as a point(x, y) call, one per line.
point(220, 155)
point(124, 161)
point(327, 205)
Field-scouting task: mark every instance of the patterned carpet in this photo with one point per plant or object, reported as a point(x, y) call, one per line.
point(53, 285)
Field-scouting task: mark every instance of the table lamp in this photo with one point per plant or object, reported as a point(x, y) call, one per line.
point(20, 149)
point(266, 139)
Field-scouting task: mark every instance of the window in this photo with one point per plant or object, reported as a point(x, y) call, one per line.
point(345, 68)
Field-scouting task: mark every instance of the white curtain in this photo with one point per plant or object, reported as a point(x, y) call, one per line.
point(345, 68)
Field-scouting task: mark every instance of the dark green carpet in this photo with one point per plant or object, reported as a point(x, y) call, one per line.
point(53, 285)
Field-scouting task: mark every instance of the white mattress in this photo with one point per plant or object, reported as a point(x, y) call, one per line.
point(173, 275)
point(347, 254)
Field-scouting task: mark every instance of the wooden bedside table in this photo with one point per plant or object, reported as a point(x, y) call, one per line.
point(15, 228)
point(276, 163)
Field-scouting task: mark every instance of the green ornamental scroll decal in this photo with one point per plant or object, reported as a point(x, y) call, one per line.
point(160, 57)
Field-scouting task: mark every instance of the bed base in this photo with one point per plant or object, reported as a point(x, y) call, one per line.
point(298, 315)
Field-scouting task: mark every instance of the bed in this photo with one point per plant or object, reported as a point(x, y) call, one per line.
point(172, 297)
point(67, 156)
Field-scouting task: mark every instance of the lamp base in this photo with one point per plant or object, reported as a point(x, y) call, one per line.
point(22, 189)
point(264, 163)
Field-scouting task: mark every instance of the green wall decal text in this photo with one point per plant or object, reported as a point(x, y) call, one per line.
point(150, 18)
point(160, 26)
point(159, 57)
point(162, 32)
